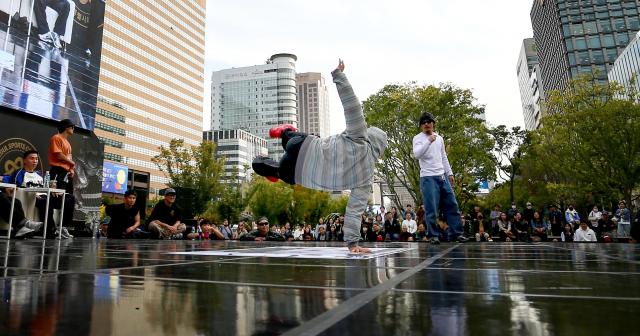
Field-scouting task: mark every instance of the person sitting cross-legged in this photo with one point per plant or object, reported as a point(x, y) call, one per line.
point(165, 218)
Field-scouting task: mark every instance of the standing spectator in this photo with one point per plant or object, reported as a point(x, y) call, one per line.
point(60, 157)
point(165, 217)
point(623, 216)
point(555, 220)
point(539, 227)
point(421, 233)
point(512, 212)
point(262, 233)
point(479, 225)
point(494, 216)
point(584, 234)
point(408, 209)
point(521, 227)
point(391, 228)
point(411, 224)
point(594, 217)
point(226, 230)
point(572, 217)
point(527, 213)
point(420, 215)
point(436, 181)
point(567, 234)
point(504, 225)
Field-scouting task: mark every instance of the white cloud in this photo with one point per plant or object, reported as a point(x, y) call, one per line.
point(472, 44)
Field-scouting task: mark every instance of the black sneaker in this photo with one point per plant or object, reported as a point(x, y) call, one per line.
point(434, 240)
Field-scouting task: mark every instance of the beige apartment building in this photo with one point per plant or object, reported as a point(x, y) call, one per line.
point(151, 80)
point(313, 103)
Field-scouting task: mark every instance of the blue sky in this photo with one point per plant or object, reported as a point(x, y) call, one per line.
point(472, 44)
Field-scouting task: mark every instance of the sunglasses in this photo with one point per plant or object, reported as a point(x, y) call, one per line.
point(263, 223)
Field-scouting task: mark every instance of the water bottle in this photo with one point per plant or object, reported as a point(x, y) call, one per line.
point(47, 179)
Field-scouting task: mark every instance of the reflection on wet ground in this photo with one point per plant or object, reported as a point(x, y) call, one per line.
point(107, 287)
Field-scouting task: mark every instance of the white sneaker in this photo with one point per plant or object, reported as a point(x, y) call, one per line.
point(64, 234)
point(35, 226)
point(24, 232)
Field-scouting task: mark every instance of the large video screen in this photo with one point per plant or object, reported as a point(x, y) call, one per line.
point(50, 57)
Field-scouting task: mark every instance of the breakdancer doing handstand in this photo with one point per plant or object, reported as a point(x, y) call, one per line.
point(339, 162)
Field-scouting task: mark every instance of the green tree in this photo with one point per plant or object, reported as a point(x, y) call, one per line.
point(510, 146)
point(396, 109)
point(592, 139)
point(195, 168)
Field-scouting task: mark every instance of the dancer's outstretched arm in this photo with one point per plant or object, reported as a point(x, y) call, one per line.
point(353, 115)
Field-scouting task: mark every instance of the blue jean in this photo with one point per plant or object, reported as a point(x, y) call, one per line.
point(436, 190)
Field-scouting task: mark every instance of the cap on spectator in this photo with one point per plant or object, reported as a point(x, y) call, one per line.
point(169, 191)
point(528, 203)
point(263, 219)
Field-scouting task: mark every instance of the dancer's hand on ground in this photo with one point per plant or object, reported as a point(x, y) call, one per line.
point(340, 65)
point(359, 249)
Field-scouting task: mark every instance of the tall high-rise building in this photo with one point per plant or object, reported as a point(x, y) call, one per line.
point(151, 82)
point(313, 103)
point(576, 37)
point(627, 67)
point(531, 92)
point(239, 149)
point(256, 98)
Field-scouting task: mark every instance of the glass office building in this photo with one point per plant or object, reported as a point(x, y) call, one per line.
point(239, 149)
point(256, 98)
point(627, 67)
point(529, 81)
point(581, 37)
point(313, 103)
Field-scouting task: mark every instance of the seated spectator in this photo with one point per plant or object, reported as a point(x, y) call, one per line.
point(297, 234)
point(594, 216)
point(467, 225)
point(164, 221)
point(322, 234)
point(263, 232)
point(521, 227)
point(420, 215)
point(421, 233)
point(567, 234)
point(306, 233)
point(320, 224)
point(409, 210)
point(205, 230)
point(405, 235)
point(411, 224)
point(242, 228)
point(286, 231)
point(538, 227)
point(125, 218)
point(478, 227)
point(333, 233)
point(391, 227)
point(584, 234)
point(21, 227)
point(494, 216)
point(606, 227)
point(366, 234)
point(28, 177)
point(377, 232)
point(635, 229)
point(504, 227)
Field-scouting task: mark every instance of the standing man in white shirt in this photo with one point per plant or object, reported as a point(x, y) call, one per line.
point(436, 179)
point(584, 234)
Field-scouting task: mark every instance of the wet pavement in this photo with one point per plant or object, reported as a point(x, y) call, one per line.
point(110, 287)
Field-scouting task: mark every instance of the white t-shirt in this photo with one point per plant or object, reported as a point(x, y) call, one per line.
point(584, 235)
point(32, 180)
point(431, 155)
point(412, 227)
